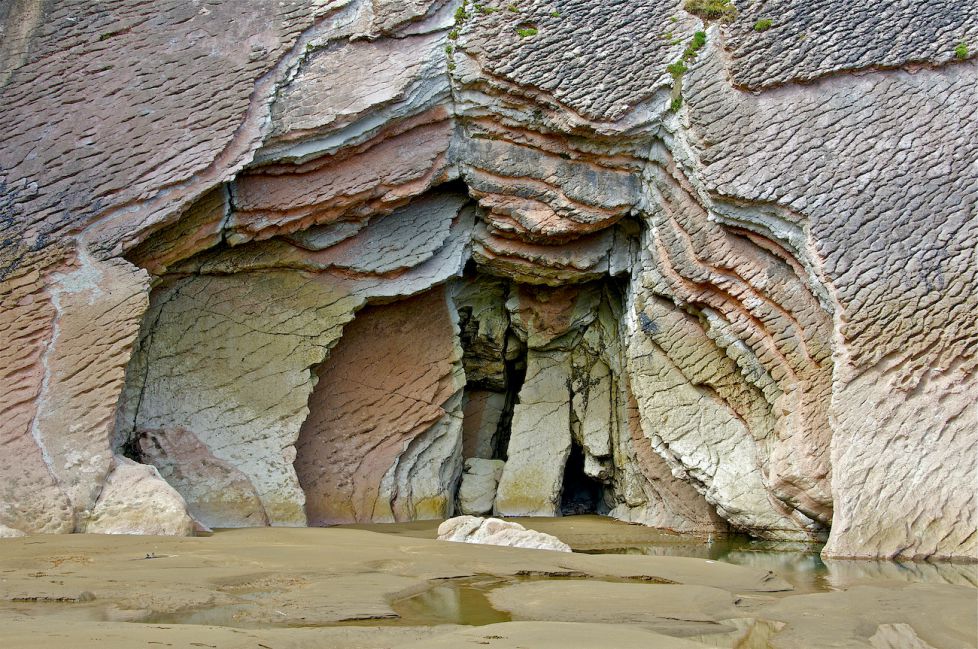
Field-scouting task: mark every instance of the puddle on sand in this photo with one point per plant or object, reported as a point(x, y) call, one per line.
point(798, 563)
point(456, 601)
point(459, 601)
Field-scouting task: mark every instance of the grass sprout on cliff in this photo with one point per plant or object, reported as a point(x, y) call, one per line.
point(677, 69)
point(762, 25)
point(722, 10)
point(525, 32)
point(961, 50)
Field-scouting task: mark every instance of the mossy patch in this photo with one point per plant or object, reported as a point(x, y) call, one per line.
point(722, 10)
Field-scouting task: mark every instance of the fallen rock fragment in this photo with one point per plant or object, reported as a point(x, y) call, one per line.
point(136, 500)
point(494, 531)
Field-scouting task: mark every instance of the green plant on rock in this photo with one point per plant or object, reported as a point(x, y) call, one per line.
point(525, 32)
point(722, 10)
point(694, 46)
point(961, 50)
point(677, 69)
point(513, 8)
point(762, 25)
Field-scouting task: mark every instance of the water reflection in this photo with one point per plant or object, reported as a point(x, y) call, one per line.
point(801, 565)
point(460, 601)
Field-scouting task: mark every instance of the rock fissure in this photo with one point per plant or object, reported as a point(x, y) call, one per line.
point(521, 272)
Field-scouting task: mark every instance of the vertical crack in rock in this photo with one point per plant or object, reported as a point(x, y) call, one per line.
point(751, 307)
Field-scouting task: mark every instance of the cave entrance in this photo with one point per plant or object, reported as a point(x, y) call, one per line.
point(581, 493)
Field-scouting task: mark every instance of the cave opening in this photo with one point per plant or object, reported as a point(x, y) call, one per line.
point(581, 493)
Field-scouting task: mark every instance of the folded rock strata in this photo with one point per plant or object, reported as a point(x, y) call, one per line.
point(306, 261)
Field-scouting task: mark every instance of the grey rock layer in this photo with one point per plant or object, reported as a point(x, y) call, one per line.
point(744, 292)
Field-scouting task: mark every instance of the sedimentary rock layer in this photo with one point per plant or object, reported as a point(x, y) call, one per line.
point(693, 270)
point(383, 438)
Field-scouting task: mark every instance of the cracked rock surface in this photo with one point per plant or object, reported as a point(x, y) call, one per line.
point(304, 262)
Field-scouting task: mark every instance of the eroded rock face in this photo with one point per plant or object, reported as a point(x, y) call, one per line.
point(742, 295)
point(383, 438)
point(205, 335)
point(477, 491)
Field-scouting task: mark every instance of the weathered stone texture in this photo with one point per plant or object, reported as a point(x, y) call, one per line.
point(540, 440)
point(599, 61)
point(755, 307)
point(477, 492)
point(809, 39)
point(348, 91)
point(216, 492)
point(68, 347)
point(229, 359)
point(482, 412)
point(136, 500)
point(371, 178)
point(133, 76)
point(493, 531)
point(896, 268)
point(383, 438)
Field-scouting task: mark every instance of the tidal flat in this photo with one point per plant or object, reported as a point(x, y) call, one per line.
point(387, 586)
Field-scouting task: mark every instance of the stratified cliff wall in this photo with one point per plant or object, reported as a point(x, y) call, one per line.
point(325, 262)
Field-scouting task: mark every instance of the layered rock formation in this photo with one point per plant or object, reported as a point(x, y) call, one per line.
point(697, 273)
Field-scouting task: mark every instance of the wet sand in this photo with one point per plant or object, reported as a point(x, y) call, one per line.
point(357, 588)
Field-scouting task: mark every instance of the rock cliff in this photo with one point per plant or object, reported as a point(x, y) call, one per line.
point(703, 265)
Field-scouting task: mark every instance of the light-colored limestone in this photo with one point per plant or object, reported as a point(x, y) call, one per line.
point(216, 492)
point(136, 500)
point(493, 531)
point(540, 439)
point(229, 359)
point(477, 492)
point(10, 533)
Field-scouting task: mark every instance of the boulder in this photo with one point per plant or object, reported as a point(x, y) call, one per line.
point(136, 500)
point(493, 531)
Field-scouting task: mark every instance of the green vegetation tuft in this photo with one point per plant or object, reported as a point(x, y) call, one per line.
point(762, 25)
point(524, 32)
point(676, 104)
point(461, 15)
point(513, 8)
point(555, 14)
point(961, 50)
point(677, 69)
point(722, 10)
point(694, 46)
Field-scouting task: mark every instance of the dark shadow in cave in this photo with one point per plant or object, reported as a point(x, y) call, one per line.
point(581, 493)
point(515, 375)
